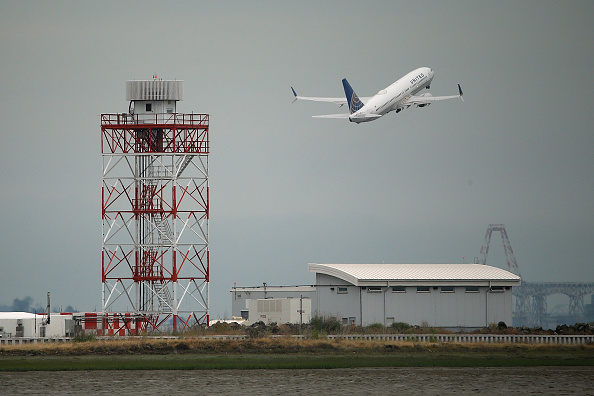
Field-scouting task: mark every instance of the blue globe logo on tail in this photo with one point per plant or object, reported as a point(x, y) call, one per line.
point(353, 100)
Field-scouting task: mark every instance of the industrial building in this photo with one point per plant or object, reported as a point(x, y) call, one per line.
point(444, 295)
point(278, 310)
point(30, 325)
point(241, 297)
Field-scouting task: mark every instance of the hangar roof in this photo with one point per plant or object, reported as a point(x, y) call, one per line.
point(369, 274)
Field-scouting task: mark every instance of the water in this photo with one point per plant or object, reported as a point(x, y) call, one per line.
point(429, 381)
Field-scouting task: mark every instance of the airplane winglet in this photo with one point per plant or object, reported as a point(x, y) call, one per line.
point(294, 93)
point(461, 93)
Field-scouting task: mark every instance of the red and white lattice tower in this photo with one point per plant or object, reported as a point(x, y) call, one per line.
point(155, 208)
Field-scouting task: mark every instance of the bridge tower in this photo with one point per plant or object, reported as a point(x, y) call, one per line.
point(523, 307)
point(539, 309)
point(512, 265)
point(155, 209)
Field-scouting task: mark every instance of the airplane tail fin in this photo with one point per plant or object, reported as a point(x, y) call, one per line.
point(353, 100)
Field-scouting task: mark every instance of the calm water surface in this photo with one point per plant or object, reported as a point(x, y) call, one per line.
point(428, 381)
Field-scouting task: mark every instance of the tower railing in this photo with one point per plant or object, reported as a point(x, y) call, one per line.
point(156, 118)
point(168, 133)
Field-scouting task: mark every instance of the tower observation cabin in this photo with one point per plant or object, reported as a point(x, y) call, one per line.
point(154, 96)
point(155, 209)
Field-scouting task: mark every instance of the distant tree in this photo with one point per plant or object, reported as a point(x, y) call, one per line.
point(22, 305)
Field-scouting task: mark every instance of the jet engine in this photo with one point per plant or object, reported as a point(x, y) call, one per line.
point(426, 94)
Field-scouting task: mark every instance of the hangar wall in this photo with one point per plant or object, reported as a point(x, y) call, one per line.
point(442, 306)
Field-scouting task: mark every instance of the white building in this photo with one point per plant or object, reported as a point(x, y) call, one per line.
point(279, 310)
point(439, 295)
point(30, 325)
point(241, 295)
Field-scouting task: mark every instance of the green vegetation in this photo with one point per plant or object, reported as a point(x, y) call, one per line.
point(318, 326)
point(85, 338)
point(400, 327)
point(329, 325)
point(277, 361)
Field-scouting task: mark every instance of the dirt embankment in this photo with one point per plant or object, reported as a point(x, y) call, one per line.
point(148, 346)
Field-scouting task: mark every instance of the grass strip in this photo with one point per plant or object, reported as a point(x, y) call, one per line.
point(193, 361)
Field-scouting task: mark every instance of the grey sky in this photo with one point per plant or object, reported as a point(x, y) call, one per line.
point(286, 189)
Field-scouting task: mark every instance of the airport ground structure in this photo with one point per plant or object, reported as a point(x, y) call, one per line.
point(28, 325)
point(437, 295)
point(155, 266)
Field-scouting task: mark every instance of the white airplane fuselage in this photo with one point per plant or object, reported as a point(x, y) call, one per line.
point(392, 97)
point(398, 96)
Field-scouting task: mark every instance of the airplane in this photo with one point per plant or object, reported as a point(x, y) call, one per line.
point(400, 95)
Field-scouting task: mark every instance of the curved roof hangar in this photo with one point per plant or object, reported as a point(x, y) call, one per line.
point(417, 274)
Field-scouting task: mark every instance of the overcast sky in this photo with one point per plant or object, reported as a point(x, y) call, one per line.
point(286, 189)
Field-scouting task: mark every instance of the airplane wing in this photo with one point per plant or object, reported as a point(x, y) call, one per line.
point(424, 100)
point(338, 101)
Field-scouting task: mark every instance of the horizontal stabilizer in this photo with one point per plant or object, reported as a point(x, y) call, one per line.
point(343, 115)
point(368, 116)
point(339, 101)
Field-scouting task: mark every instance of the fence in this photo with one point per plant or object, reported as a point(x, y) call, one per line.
point(439, 338)
point(473, 338)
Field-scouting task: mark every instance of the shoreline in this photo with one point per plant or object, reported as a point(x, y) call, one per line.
point(282, 353)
